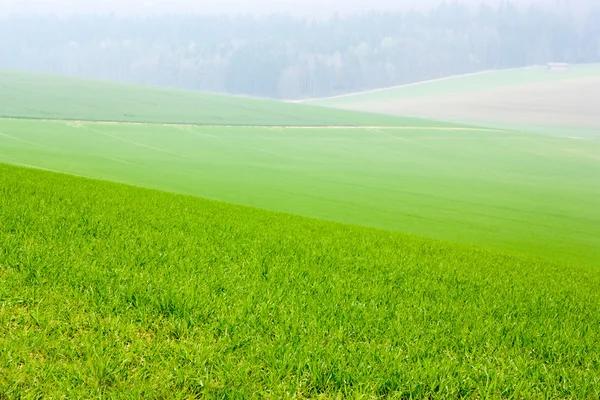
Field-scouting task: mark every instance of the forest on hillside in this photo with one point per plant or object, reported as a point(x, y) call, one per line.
point(281, 56)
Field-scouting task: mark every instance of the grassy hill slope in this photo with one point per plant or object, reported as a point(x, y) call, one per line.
point(514, 191)
point(28, 95)
point(116, 292)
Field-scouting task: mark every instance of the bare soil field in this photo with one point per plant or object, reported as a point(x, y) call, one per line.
point(569, 103)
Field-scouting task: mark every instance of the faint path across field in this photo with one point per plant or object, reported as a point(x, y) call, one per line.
point(79, 124)
point(389, 88)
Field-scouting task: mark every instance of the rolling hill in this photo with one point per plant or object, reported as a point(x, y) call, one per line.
point(110, 291)
point(514, 191)
point(187, 267)
point(29, 95)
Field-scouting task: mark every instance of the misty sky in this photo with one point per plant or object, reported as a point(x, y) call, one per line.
point(301, 7)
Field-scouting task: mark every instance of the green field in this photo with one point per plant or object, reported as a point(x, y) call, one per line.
point(518, 192)
point(464, 84)
point(109, 291)
point(26, 95)
point(439, 260)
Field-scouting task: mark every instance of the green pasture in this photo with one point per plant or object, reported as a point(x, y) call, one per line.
point(565, 132)
point(517, 192)
point(111, 291)
point(464, 84)
point(37, 96)
point(440, 260)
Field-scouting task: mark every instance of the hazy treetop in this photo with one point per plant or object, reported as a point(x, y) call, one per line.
point(317, 8)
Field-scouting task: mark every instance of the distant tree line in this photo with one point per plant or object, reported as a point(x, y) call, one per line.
point(280, 56)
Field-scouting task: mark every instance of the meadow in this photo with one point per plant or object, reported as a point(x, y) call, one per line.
point(111, 291)
point(519, 192)
point(169, 244)
point(39, 96)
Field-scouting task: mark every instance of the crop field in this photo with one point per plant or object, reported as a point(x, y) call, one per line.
point(476, 82)
point(517, 192)
point(27, 95)
point(531, 96)
point(111, 291)
point(166, 244)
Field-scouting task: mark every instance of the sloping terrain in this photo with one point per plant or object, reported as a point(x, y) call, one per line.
point(565, 103)
point(514, 191)
point(110, 291)
point(28, 95)
point(116, 291)
point(475, 82)
point(531, 96)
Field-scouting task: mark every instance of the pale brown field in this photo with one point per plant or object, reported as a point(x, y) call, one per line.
point(569, 103)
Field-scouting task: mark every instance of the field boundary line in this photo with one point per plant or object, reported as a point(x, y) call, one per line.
point(366, 127)
point(404, 85)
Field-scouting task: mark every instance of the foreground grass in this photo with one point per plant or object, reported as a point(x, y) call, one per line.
point(517, 192)
point(117, 292)
point(29, 95)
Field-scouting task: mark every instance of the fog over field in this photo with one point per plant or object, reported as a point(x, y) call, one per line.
point(292, 50)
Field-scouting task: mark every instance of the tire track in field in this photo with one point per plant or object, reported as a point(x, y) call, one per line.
point(379, 130)
point(406, 140)
point(30, 142)
point(220, 139)
point(60, 150)
point(124, 162)
point(314, 140)
point(188, 129)
point(139, 144)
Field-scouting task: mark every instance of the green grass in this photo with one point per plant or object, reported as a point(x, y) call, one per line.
point(110, 291)
point(465, 84)
point(572, 133)
point(564, 132)
point(113, 291)
point(518, 192)
point(28, 95)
